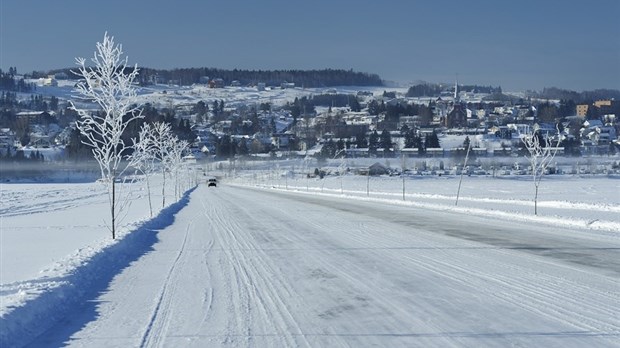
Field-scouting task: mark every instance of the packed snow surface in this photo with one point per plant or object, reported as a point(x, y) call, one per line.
point(309, 262)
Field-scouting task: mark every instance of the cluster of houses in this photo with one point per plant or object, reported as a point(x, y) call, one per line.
point(492, 130)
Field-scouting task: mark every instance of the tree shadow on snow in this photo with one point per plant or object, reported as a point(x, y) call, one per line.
point(52, 318)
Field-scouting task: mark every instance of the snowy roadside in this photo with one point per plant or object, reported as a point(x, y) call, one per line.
point(30, 307)
point(599, 214)
point(55, 246)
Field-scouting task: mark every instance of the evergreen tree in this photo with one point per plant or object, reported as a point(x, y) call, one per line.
point(431, 141)
point(340, 145)
point(567, 108)
point(426, 115)
point(386, 141)
point(255, 122)
point(404, 130)
point(593, 113)
point(355, 105)
point(360, 141)
point(329, 149)
point(373, 107)
point(242, 147)
point(373, 142)
point(547, 112)
point(224, 147)
point(296, 109)
point(411, 140)
point(200, 109)
point(571, 147)
point(53, 103)
point(265, 107)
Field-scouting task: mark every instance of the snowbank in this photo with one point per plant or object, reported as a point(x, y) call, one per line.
point(587, 204)
point(29, 308)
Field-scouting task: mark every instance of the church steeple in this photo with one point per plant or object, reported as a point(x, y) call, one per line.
point(456, 88)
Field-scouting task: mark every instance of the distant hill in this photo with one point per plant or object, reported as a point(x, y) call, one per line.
point(435, 90)
point(301, 78)
point(577, 97)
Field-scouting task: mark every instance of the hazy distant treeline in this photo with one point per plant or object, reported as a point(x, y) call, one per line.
point(9, 82)
point(577, 97)
point(305, 78)
point(434, 89)
point(301, 78)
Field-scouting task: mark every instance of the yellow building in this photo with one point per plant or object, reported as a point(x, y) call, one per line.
point(602, 103)
point(582, 110)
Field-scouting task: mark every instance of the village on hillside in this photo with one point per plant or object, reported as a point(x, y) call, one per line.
point(243, 120)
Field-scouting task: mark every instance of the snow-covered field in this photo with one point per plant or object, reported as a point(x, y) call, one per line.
point(48, 229)
point(165, 95)
point(222, 268)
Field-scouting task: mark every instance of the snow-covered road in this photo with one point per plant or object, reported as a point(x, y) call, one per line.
point(253, 268)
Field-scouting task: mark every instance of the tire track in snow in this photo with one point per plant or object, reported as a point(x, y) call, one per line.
point(274, 283)
point(47, 206)
point(541, 293)
point(257, 280)
point(305, 230)
point(238, 300)
point(534, 295)
point(157, 326)
point(349, 271)
point(243, 282)
point(537, 295)
point(207, 297)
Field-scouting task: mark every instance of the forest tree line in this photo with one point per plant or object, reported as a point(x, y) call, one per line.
point(10, 82)
point(301, 78)
point(577, 97)
point(435, 90)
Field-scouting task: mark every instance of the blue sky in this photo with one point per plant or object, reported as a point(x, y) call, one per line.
point(519, 45)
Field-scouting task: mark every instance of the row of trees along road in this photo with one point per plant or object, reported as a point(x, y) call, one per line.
point(110, 85)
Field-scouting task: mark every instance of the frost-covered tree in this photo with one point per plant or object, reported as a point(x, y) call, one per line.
point(158, 145)
point(540, 154)
point(144, 157)
point(109, 84)
point(466, 143)
point(175, 160)
point(162, 139)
